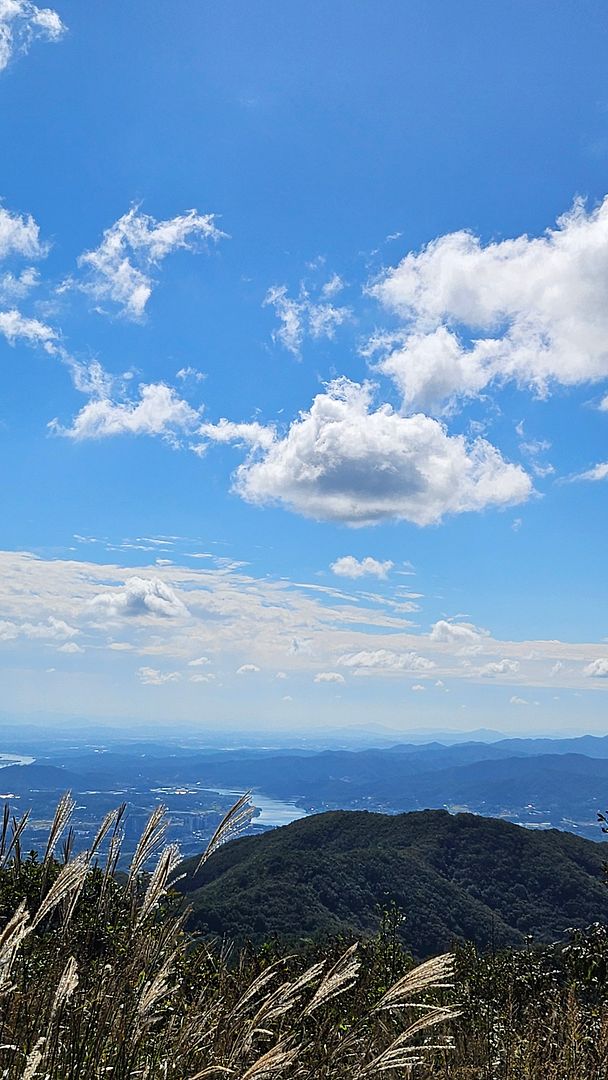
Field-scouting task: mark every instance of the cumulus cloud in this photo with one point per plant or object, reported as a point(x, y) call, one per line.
point(140, 596)
point(499, 667)
point(21, 22)
point(158, 411)
point(200, 661)
point(349, 566)
point(120, 269)
point(247, 669)
point(70, 647)
point(153, 677)
point(530, 309)
point(329, 677)
point(518, 701)
point(386, 660)
point(460, 634)
point(347, 462)
point(597, 669)
point(319, 319)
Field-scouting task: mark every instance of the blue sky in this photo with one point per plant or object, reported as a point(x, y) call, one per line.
point(304, 338)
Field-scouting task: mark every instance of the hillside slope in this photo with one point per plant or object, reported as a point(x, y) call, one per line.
point(456, 876)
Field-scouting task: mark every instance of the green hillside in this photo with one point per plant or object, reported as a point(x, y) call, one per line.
point(458, 876)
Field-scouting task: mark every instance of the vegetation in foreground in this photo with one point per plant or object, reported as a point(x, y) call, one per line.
point(99, 978)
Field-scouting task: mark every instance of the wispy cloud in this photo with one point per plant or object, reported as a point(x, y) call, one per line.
point(120, 269)
point(21, 23)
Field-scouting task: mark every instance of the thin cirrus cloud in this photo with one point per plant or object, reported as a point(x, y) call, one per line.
point(120, 269)
point(593, 475)
point(531, 309)
point(21, 23)
point(350, 567)
point(348, 462)
point(305, 316)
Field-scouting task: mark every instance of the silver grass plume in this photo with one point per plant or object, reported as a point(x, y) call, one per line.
point(150, 840)
point(402, 1053)
point(232, 824)
point(69, 882)
point(18, 827)
point(63, 813)
point(434, 974)
point(65, 987)
point(110, 821)
point(11, 937)
point(337, 981)
point(273, 1062)
point(33, 1061)
point(157, 885)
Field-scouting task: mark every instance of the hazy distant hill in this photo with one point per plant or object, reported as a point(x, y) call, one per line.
point(454, 876)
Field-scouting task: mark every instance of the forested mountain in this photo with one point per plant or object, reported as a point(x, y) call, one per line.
point(453, 876)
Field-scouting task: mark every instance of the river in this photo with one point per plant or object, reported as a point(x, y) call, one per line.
point(271, 811)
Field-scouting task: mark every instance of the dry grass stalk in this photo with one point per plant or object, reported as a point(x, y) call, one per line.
point(11, 937)
point(157, 886)
point(18, 827)
point(434, 974)
point(65, 988)
point(110, 821)
point(69, 882)
point(150, 840)
point(402, 1052)
point(232, 824)
point(337, 981)
point(273, 1062)
point(32, 1063)
point(63, 813)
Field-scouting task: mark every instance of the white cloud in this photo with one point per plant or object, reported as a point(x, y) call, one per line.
point(52, 629)
point(329, 677)
point(597, 669)
point(598, 472)
point(190, 373)
point(202, 678)
point(418, 688)
point(19, 233)
point(153, 677)
point(70, 647)
point(17, 327)
point(518, 701)
point(319, 319)
point(461, 634)
point(534, 310)
point(159, 411)
point(247, 669)
point(343, 461)
point(253, 435)
point(200, 661)
point(499, 667)
point(333, 286)
point(349, 566)
point(140, 596)
point(386, 660)
point(17, 286)
point(120, 269)
point(21, 22)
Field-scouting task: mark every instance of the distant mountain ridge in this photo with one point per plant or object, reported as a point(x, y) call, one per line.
point(454, 876)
